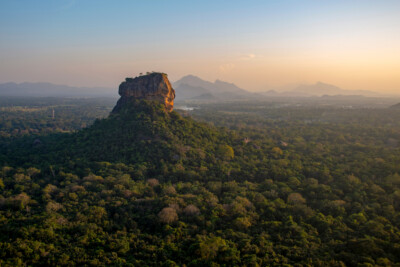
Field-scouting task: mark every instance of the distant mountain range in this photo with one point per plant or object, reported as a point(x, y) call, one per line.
point(53, 90)
point(320, 89)
point(189, 87)
point(192, 87)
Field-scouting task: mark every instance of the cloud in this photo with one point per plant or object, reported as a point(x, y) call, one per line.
point(248, 57)
point(226, 68)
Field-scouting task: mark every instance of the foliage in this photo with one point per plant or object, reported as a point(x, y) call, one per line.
point(150, 188)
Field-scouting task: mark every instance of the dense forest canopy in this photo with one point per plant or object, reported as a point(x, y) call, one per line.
point(250, 183)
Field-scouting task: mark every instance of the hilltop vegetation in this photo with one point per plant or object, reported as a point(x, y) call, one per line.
point(279, 185)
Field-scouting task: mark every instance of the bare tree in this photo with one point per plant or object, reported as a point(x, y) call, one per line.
point(168, 215)
point(191, 210)
point(153, 182)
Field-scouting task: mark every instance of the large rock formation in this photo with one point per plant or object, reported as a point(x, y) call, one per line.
point(153, 86)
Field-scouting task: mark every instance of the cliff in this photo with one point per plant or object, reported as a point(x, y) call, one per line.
point(153, 87)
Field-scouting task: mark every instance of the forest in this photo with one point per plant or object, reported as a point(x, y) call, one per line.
point(245, 183)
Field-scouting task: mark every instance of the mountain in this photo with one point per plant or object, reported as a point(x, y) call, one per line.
point(52, 90)
point(190, 86)
point(186, 91)
point(320, 89)
point(317, 89)
point(193, 81)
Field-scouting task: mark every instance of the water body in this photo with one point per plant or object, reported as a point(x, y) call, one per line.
point(186, 108)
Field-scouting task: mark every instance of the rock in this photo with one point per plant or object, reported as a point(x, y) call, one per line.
point(154, 87)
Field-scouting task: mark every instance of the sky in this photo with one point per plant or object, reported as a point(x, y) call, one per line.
point(258, 45)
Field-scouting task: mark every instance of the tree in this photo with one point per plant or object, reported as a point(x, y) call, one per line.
point(296, 198)
point(191, 210)
point(168, 215)
point(225, 152)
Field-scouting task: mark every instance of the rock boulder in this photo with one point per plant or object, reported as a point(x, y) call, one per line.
point(153, 87)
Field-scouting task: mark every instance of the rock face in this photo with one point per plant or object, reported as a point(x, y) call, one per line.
point(153, 86)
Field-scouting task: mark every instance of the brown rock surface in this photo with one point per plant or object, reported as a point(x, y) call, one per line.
point(153, 87)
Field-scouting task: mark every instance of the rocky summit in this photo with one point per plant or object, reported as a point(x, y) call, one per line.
point(153, 87)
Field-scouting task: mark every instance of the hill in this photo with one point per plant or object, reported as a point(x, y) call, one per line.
point(190, 86)
point(316, 90)
point(142, 129)
point(141, 133)
point(320, 89)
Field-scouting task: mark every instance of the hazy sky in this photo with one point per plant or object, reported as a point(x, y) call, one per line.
point(255, 44)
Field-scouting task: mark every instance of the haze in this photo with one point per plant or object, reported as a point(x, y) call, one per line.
point(258, 45)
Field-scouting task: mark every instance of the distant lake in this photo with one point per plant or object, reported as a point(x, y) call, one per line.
point(185, 108)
